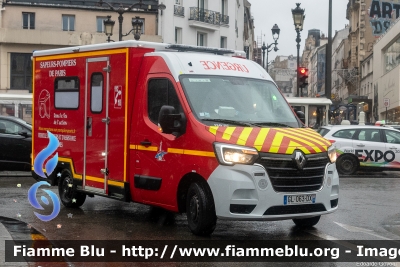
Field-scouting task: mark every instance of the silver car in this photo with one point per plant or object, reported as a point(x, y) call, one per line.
point(364, 147)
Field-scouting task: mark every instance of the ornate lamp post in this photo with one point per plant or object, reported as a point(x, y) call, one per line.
point(108, 27)
point(275, 35)
point(298, 19)
point(121, 10)
point(136, 28)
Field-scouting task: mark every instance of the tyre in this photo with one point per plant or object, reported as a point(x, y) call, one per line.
point(307, 222)
point(200, 210)
point(347, 164)
point(67, 191)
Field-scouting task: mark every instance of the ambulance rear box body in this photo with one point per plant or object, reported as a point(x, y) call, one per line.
point(187, 129)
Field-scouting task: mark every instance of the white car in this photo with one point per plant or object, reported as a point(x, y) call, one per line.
point(364, 147)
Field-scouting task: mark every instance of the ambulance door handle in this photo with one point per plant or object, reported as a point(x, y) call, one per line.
point(106, 120)
point(361, 145)
point(89, 126)
point(145, 143)
point(392, 147)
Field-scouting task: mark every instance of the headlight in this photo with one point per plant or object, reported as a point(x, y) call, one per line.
point(231, 154)
point(332, 154)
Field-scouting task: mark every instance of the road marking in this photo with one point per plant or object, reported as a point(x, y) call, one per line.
point(344, 243)
point(355, 229)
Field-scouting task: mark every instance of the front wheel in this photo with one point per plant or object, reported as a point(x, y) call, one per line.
point(67, 191)
point(307, 222)
point(347, 164)
point(200, 210)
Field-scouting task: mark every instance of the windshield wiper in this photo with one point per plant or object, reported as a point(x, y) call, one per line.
point(242, 123)
point(273, 124)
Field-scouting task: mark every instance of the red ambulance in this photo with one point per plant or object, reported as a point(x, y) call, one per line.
point(194, 130)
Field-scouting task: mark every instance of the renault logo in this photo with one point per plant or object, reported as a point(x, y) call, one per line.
point(300, 159)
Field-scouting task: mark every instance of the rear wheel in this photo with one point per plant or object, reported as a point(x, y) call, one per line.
point(307, 222)
point(67, 191)
point(347, 164)
point(200, 209)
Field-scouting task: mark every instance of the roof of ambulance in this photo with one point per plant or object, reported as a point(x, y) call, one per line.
point(196, 63)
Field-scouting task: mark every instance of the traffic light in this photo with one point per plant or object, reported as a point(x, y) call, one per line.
point(303, 75)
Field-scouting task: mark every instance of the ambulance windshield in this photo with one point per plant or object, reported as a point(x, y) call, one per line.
point(223, 100)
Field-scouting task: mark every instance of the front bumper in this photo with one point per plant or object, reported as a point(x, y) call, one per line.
point(245, 192)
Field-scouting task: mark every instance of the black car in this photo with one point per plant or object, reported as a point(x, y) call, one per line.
point(15, 144)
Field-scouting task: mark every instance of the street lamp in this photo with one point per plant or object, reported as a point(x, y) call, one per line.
point(137, 28)
point(108, 27)
point(275, 35)
point(121, 10)
point(298, 19)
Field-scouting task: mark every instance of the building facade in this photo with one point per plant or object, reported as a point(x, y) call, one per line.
point(386, 75)
point(45, 24)
point(206, 23)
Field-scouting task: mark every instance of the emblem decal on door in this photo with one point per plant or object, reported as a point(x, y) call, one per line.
point(44, 104)
point(118, 96)
point(160, 154)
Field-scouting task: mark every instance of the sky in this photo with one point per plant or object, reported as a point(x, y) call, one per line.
point(266, 13)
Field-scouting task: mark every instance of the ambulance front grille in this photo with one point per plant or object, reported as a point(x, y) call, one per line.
point(285, 176)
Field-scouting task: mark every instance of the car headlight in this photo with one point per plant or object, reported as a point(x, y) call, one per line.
point(232, 154)
point(332, 154)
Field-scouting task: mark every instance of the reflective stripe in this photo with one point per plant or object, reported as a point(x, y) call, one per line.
point(74, 175)
point(176, 151)
point(147, 148)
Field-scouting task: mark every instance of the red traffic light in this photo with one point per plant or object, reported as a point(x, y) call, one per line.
point(303, 71)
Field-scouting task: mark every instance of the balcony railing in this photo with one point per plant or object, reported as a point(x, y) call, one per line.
point(208, 16)
point(225, 19)
point(179, 10)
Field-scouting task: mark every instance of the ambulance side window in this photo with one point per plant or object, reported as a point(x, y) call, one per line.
point(66, 91)
point(161, 92)
point(96, 93)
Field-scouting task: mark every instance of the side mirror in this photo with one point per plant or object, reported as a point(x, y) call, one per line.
point(171, 122)
point(301, 116)
point(24, 134)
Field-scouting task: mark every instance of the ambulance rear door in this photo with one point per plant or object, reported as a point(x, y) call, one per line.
point(97, 120)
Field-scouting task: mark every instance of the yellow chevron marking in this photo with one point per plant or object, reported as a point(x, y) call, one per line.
point(244, 136)
point(133, 146)
point(228, 133)
point(300, 140)
point(213, 129)
point(294, 145)
point(316, 139)
point(276, 142)
point(261, 138)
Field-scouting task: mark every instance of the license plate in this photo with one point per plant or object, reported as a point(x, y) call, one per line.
point(299, 199)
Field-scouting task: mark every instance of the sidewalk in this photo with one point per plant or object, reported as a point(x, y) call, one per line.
point(15, 173)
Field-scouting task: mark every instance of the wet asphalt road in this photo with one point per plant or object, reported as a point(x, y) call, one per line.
point(368, 210)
